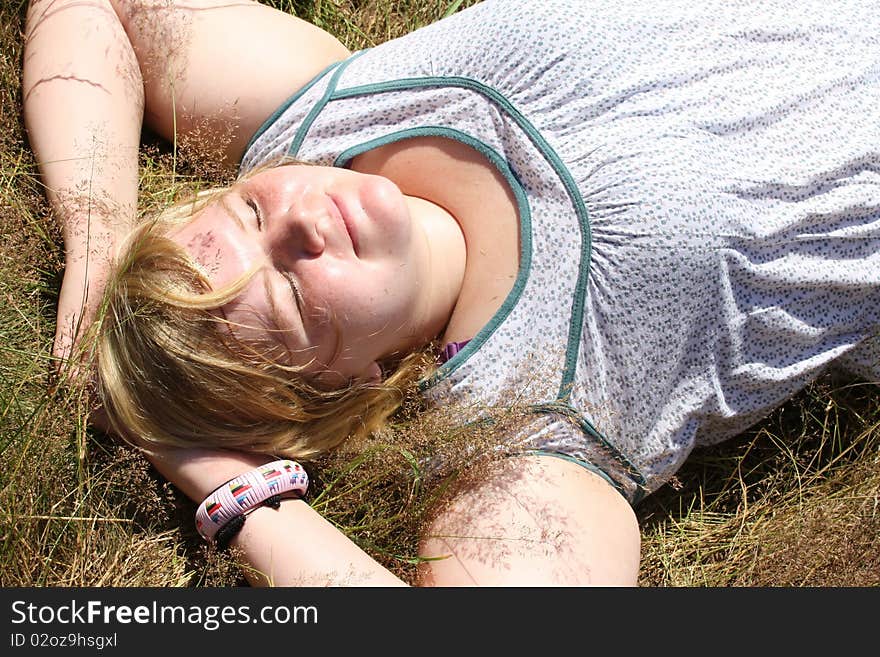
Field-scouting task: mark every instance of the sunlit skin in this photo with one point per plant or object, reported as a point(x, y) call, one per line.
point(344, 260)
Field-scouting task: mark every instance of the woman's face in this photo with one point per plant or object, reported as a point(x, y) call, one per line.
point(340, 263)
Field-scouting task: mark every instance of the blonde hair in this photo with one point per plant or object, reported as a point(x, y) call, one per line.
point(168, 374)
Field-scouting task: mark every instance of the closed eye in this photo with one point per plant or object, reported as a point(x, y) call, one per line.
point(297, 293)
point(256, 209)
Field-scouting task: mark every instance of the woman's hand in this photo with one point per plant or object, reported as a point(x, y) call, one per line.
point(92, 69)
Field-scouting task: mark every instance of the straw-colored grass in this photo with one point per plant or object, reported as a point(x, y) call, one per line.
point(792, 502)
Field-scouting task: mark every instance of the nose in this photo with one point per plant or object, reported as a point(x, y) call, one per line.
point(294, 232)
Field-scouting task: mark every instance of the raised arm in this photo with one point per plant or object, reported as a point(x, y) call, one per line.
point(216, 69)
point(83, 107)
point(291, 546)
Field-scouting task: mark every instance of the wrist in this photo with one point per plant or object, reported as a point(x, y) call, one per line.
point(198, 472)
point(260, 519)
point(264, 521)
point(224, 512)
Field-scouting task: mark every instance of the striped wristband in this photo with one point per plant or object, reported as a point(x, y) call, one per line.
point(229, 504)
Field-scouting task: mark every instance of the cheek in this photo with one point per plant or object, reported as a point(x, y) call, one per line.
point(245, 321)
point(384, 203)
point(368, 297)
point(347, 293)
point(250, 313)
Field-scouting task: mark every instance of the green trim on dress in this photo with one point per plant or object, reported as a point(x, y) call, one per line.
point(577, 310)
point(287, 103)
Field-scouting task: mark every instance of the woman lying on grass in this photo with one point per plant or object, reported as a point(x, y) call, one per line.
point(644, 226)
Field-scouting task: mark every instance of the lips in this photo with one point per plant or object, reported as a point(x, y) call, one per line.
point(340, 211)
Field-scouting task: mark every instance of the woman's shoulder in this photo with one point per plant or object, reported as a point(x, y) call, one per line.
point(493, 40)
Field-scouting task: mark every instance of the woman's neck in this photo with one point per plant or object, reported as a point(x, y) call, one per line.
point(443, 270)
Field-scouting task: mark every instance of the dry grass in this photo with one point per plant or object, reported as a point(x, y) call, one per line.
point(794, 502)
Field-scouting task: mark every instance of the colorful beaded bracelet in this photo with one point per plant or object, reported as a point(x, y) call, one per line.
point(222, 513)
